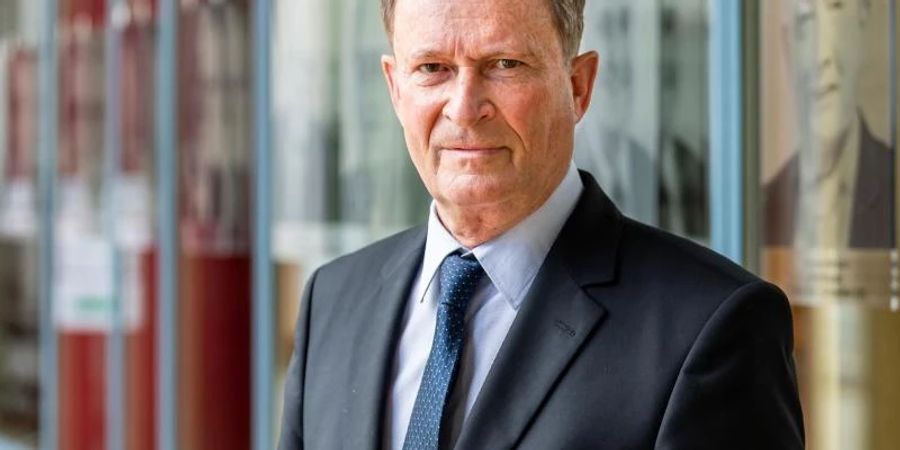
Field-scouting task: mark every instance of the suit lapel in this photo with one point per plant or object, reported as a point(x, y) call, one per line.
point(377, 334)
point(556, 319)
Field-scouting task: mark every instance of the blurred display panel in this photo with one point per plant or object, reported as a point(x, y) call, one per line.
point(19, 380)
point(379, 186)
point(214, 225)
point(683, 161)
point(646, 135)
point(829, 210)
point(618, 139)
point(343, 175)
point(83, 266)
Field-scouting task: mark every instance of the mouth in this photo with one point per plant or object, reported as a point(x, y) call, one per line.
point(826, 90)
point(472, 148)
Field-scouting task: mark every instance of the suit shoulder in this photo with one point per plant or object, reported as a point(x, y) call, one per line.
point(681, 285)
point(370, 259)
point(674, 260)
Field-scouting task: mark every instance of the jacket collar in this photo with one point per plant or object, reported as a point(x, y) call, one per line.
point(556, 317)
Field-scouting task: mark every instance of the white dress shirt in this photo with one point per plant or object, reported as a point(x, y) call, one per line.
point(511, 262)
point(826, 201)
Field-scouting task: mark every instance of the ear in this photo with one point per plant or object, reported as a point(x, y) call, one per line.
point(388, 66)
point(583, 75)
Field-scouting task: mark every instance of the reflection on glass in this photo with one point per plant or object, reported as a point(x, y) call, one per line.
point(379, 186)
point(133, 210)
point(829, 165)
point(343, 175)
point(617, 139)
point(829, 213)
point(645, 137)
point(19, 382)
point(214, 189)
point(836, 191)
point(304, 124)
point(684, 119)
point(83, 266)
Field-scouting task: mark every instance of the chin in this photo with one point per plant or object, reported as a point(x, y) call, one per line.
point(476, 190)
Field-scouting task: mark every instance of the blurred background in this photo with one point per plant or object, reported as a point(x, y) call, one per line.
point(172, 170)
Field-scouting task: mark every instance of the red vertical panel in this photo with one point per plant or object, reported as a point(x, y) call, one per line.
point(137, 96)
point(140, 369)
point(215, 270)
point(82, 352)
point(215, 357)
point(82, 396)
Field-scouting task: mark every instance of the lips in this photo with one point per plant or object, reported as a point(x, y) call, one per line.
point(472, 147)
point(826, 90)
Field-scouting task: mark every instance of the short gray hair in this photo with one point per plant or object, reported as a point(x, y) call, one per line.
point(568, 17)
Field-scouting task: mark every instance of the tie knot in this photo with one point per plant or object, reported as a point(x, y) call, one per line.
point(459, 277)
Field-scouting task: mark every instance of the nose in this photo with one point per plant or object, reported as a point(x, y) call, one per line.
point(826, 39)
point(468, 103)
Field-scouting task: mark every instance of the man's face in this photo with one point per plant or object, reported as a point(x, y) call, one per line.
point(487, 101)
point(832, 31)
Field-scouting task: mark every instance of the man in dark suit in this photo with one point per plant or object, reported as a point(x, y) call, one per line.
point(528, 313)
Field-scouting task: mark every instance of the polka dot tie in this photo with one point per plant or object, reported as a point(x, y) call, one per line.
point(458, 277)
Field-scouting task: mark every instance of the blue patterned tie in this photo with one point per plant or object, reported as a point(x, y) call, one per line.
point(459, 277)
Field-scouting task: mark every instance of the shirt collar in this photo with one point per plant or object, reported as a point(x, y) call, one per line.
point(511, 260)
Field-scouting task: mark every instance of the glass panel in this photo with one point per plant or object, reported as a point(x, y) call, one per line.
point(829, 210)
point(343, 176)
point(645, 137)
point(82, 285)
point(104, 240)
point(133, 202)
point(19, 382)
point(618, 137)
point(214, 150)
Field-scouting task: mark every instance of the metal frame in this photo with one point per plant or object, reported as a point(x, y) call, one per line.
point(725, 175)
point(112, 130)
point(895, 137)
point(750, 101)
point(263, 305)
point(47, 163)
point(895, 78)
point(167, 207)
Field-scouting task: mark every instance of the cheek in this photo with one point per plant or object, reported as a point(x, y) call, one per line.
point(418, 113)
point(537, 126)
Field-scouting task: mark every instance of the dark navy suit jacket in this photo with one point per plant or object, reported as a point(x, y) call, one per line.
point(629, 338)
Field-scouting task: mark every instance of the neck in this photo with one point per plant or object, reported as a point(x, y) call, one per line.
point(473, 226)
point(833, 147)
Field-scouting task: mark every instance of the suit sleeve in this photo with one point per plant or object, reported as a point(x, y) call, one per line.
point(292, 415)
point(737, 388)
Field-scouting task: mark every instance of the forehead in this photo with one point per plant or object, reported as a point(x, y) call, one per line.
point(473, 26)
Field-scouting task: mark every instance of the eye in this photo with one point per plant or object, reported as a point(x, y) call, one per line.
point(431, 68)
point(508, 63)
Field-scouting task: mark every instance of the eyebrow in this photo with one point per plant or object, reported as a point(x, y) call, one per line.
point(487, 55)
point(424, 54)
